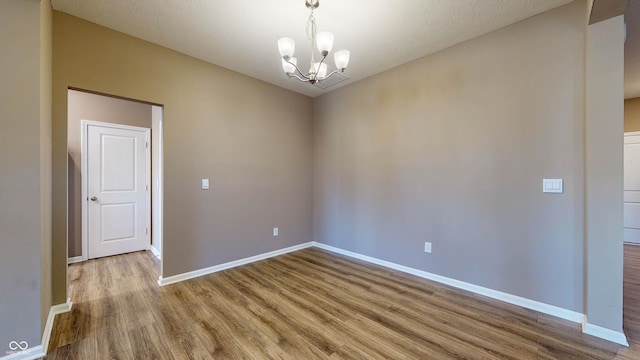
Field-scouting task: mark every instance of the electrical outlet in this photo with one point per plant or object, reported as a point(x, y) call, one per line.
point(427, 247)
point(275, 231)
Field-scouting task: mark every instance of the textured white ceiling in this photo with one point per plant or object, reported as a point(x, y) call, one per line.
point(242, 35)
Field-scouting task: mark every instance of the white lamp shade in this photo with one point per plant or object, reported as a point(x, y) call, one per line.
point(323, 71)
point(342, 59)
point(324, 42)
point(288, 67)
point(286, 46)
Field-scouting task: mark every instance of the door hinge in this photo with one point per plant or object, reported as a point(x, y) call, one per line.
point(146, 187)
point(146, 144)
point(147, 231)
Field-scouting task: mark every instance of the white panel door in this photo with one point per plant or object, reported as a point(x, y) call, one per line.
point(632, 188)
point(116, 189)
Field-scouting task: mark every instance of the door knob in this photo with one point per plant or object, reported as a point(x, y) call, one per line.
point(93, 198)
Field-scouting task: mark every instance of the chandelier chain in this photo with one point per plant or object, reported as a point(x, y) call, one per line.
point(311, 34)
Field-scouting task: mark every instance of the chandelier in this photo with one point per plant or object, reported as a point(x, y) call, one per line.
point(323, 41)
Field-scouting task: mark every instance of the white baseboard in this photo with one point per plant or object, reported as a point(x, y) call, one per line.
point(587, 328)
point(55, 310)
point(75, 259)
point(570, 315)
point(494, 294)
point(604, 333)
point(40, 351)
point(155, 252)
point(35, 352)
point(210, 270)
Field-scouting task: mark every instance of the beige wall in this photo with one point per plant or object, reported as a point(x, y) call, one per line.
point(452, 149)
point(604, 173)
point(632, 115)
point(25, 40)
point(86, 106)
point(46, 14)
point(251, 139)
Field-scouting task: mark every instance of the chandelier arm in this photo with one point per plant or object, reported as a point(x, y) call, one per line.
point(298, 70)
point(333, 72)
point(304, 79)
point(321, 61)
point(317, 70)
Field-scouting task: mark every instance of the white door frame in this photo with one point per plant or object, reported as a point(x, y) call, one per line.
point(157, 116)
point(85, 181)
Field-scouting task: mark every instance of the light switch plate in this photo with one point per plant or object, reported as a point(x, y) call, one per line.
point(553, 186)
point(275, 231)
point(205, 184)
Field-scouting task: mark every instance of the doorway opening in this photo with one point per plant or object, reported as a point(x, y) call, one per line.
point(631, 209)
point(123, 126)
point(632, 188)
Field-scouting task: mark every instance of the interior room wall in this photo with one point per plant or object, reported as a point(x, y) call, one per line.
point(251, 139)
point(87, 106)
point(452, 149)
point(632, 115)
point(46, 14)
point(25, 299)
point(604, 174)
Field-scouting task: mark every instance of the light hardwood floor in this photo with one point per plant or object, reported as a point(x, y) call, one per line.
point(311, 304)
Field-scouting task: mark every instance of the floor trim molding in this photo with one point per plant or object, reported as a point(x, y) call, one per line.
point(494, 294)
point(74, 259)
point(573, 316)
point(35, 352)
point(604, 333)
point(55, 310)
point(213, 269)
point(155, 252)
point(39, 351)
point(576, 317)
point(587, 328)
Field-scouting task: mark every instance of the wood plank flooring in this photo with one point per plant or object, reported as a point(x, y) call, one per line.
point(311, 304)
